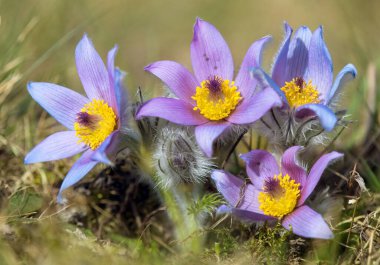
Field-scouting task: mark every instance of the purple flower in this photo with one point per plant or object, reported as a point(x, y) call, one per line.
point(94, 122)
point(302, 74)
point(210, 100)
point(276, 192)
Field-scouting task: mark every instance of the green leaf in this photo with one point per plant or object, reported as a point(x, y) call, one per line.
point(24, 202)
point(206, 204)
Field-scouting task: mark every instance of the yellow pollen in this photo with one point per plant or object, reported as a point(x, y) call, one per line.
point(95, 123)
point(283, 200)
point(218, 104)
point(298, 92)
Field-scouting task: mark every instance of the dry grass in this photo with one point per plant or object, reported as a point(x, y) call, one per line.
point(37, 41)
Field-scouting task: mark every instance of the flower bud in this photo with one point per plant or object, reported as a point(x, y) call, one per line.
point(178, 158)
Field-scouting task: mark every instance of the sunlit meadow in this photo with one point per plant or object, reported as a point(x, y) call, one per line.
point(133, 212)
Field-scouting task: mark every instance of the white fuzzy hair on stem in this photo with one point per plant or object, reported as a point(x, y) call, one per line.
point(177, 158)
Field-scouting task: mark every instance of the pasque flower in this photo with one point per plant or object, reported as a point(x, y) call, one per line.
point(210, 100)
point(276, 192)
point(302, 74)
point(94, 122)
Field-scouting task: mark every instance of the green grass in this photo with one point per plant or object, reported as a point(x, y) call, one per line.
point(37, 42)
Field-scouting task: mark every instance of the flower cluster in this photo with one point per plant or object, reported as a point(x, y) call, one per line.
point(209, 108)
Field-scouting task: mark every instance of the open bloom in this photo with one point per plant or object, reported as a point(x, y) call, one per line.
point(94, 122)
point(302, 75)
point(211, 100)
point(276, 192)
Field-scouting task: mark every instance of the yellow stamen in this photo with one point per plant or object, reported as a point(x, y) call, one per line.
point(95, 123)
point(216, 98)
point(279, 200)
point(298, 92)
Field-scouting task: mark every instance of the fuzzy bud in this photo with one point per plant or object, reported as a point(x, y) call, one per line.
point(178, 158)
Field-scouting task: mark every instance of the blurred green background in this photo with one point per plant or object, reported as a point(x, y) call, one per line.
point(147, 31)
point(37, 43)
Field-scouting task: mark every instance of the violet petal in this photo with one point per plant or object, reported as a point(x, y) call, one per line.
point(237, 194)
point(345, 75)
point(56, 146)
point(307, 223)
point(121, 97)
point(260, 165)
point(206, 134)
point(298, 54)
point(171, 109)
point(81, 167)
point(290, 166)
point(109, 147)
point(179, 80)
point(279, 65)
point(254, 108)
point(265, 81)
point(320, 69)
point(60, 102)
point(325, 115)
point(243, 215)
point(316, 173)
point(111, 76)
point(244, 80)
point(210, 54)
point(92, 71)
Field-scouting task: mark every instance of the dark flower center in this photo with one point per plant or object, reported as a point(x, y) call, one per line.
point(272, 187)
point(214, 84)
point(216, 98)
point(87, 120)
point(298, 92)
point(299, 82)
point(279, 196)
